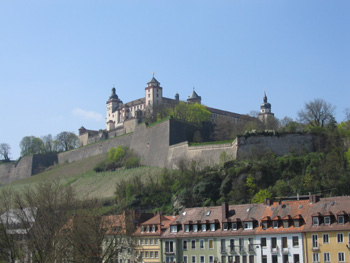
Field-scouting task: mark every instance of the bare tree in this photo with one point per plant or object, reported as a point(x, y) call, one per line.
point(5, 151)
point(317, 113)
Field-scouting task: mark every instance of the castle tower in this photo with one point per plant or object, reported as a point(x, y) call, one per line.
point(265, 110)
point(113, 116)
point(153, 93)
point(194, 98)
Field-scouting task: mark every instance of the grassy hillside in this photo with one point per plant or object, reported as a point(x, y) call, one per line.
point(87, 183)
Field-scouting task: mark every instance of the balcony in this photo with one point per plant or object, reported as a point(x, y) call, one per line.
point(285, 250)
point(251, 248)
point(274, 250)
point(315, 248)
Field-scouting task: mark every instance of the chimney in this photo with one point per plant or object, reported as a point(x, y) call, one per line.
point(268, 202)
point(224, 210)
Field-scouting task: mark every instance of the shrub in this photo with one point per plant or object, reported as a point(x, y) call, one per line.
point(131, 161)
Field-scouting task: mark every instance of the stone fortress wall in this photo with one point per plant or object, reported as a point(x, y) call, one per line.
point(165, 144)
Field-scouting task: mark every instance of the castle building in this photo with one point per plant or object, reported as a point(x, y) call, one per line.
point(118, 112)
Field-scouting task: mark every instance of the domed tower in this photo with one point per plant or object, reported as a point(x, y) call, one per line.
point(153, 93)
point(265, 110)
point(113, 115)
point(194, 98)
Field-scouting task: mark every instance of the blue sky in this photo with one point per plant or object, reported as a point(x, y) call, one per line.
point(60, 59)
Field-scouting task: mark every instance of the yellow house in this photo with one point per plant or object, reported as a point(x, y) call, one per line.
point(146, 239)
point(327, 231)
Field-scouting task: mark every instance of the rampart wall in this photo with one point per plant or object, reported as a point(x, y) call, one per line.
point(165, 144)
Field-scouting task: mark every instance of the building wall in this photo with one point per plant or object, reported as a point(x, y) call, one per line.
point(333, 247)
point(10, 172)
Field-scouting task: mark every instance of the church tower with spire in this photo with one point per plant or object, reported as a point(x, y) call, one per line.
point(265, 110)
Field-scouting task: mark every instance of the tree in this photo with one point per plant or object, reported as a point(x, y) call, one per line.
point(31, 145)
point(317, 113)
point(195, 113)
point(5, 151)
point(66, 141)
point(48, 143)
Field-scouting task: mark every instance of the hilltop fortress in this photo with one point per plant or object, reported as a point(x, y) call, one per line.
point(122, 118)
point(163, 144)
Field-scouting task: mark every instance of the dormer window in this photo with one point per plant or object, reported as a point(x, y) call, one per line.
point(195, 228)
point(275, 224)
point(264, 225)
point(224, 226)
point(327, 220)
point(187, 228)
point(248, 225)
point(153, 228)
point(315, 221)
point(285, 223)
point(147, 229)
point(340, 219)
point(212, 227)
point(142, 229)
point(204, 227)
point(173, 229)
point(234, 226)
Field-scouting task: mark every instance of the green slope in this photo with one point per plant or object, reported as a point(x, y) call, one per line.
point(86, 182)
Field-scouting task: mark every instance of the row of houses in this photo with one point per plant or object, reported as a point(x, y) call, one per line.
point(300, 230)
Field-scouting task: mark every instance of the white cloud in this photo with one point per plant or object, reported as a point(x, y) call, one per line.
point(87, 115)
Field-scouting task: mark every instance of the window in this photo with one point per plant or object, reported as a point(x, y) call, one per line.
point(195, 228)
point(156, 254)
point(315, 221)
point(173, 229)
point(325, 238)
point(314, 241)
point(211, 259)
point(201, 244)
point(184, 244)
point(156, 241)
point(146, 241)
point(295, 241)
point(185, 259)
point(146, 254)
point(225, 226)
point(204, 227)
point(212, 227)
point(296, 258)
point(153, 228)
point(248, 225)
point(142, 229)
point(340, 219)
point(327, 220)
point(193, 259)
point(147, 229)
point(232, 245)
point(264, 259)
point(223, 245)
point(297, 224)
point(141, 241)
point(193, 244)
point(274, 259)
point(169, 247)
point(315, 257)
point(187, 228)
point(340, 237)
point(263, 242)
point(234, 226)
point(275, 224)
point(210, 244)
point(202, 259)
point(264, 226)
point(151, 254)
point(285, 223)
point(341, 257)
point(284, 242)
point(151, 241)
point(274, 243)
point(326, 257)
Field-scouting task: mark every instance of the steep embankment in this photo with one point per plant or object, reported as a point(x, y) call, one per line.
point(86, 182)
